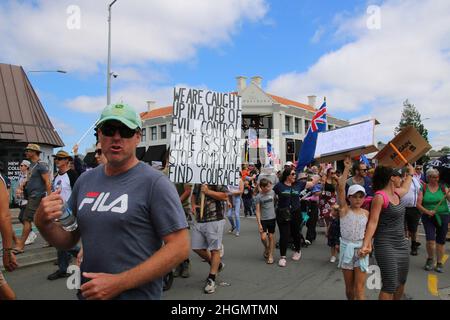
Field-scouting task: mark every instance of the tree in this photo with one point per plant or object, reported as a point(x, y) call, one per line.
point(411, 117)
point(445, 150)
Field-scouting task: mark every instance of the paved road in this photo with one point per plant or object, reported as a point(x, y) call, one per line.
point(313, 277)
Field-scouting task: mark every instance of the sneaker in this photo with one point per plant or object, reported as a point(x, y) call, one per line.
point(31, 238)
point(231, 231)
point(438, 268)
point(297, 255)
point(429, 265)
point(307, 242)
point(210, 286)
point(222, 250)
point(177, 271)
point(221, 266)
point(282, 262)
point(57, 275)
point(237, 234)
point(333, 259)
point(186, 269)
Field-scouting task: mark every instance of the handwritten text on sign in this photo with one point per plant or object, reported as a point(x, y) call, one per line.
point(205, 141)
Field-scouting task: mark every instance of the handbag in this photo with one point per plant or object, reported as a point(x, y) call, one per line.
point(284, 214)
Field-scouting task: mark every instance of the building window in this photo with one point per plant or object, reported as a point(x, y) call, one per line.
point(297, 125)
point(307, 124)
point(287, 124)
point(154, 134)
point(144, 135)
point(163, 132)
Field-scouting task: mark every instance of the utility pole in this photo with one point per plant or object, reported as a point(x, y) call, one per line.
point(108, 76)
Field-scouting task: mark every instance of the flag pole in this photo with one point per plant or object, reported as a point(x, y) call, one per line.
point(84, 135)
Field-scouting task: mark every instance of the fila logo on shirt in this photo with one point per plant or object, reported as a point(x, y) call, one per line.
point(119, 205)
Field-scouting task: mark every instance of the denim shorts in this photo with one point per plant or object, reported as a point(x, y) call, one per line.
point(432, 233)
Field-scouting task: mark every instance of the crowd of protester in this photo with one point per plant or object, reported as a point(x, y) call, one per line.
point(365, 210)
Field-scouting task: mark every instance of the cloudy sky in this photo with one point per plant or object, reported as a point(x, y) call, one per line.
point(366, 57)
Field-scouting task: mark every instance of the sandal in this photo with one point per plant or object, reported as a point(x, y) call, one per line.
point(17, 251)
point(269, 260)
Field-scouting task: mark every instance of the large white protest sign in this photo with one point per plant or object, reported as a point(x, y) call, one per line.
point(352, 140)
point(205, 142)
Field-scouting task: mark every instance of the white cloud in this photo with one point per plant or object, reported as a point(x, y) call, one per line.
point(160, 31)
point(318, 35)
point(62, 128)
point(376, 70)
point(135, 96)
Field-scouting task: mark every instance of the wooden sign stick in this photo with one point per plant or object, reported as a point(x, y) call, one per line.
point(202, 204)
point(398, 152)
point(440, 202)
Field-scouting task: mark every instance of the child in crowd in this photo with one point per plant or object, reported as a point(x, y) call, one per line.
point(334, 233)
point(353, 222)
point(247, 197)
point(266, 218)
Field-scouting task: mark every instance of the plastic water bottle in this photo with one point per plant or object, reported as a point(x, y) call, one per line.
point(67, 220)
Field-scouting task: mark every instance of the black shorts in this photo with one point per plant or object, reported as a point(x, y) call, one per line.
point(268, 225)
point(412, 217)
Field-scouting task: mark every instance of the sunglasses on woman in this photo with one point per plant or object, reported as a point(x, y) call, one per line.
point(98, 152)
point(110, 130)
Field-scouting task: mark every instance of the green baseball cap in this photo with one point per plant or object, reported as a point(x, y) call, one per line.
point(123, 113)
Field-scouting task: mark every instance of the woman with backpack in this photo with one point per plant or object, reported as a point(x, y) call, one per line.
point(432, 203)
point(386, 227)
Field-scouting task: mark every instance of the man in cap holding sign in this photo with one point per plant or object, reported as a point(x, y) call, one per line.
point(207, 231)
point(125, 210)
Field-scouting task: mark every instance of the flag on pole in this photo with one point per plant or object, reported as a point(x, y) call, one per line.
point(252, 138)
point(318, 124)
point(269, 150)
point(363, 159)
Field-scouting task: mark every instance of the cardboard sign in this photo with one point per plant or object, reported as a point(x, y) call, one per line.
point(409, 143)
point(205, 141)
point(352, 140)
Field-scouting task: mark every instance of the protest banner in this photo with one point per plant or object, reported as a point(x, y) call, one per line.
point(410, 145)
point(352, 140)
point(205, 141)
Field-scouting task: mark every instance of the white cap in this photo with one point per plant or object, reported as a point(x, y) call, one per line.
point(355, 189)
point(289, 163)
point(26, 162)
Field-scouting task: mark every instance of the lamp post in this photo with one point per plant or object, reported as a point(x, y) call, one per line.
point(108, 76)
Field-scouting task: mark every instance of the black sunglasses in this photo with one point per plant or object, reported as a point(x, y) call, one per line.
point(110, 131)
point(98, 151)
point(293, 174)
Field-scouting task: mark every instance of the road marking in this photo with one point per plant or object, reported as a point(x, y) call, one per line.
point(433, 284)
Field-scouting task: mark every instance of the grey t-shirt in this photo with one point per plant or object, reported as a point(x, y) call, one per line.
point(36, 186)
point(267, 205)
point(122, 220)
